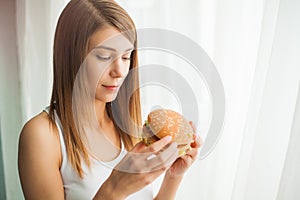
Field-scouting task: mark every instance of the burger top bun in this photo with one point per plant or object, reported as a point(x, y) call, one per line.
point(163, 122)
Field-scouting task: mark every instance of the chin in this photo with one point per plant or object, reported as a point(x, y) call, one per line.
point(106, 98)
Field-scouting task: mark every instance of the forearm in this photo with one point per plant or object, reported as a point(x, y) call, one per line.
point(169, 188)
point(107, 192)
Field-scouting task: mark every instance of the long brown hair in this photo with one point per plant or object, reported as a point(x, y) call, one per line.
point(77, 23)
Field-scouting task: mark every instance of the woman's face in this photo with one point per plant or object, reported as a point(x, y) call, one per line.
point(107, 63)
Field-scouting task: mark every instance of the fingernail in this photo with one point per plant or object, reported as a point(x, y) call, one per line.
point(168, 138)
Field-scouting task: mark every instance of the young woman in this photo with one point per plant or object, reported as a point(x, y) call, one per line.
point(62, 151)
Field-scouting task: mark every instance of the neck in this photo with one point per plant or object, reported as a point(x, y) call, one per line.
point(111, 141)
point(102, 115)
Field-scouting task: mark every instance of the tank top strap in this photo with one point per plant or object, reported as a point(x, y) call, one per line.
point(60, 132)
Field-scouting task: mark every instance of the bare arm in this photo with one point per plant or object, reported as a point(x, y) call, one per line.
point(169, 187)
point(135, 171)
point(39, 160)
point(175, 173)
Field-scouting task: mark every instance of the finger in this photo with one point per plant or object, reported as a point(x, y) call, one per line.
point(158, 145)
point(162, 157)
point(164, 154)
point(197, 141)
point(165, 159)
point(188, 160)
point(193, 126)
point(192, 153)
point(138, 147)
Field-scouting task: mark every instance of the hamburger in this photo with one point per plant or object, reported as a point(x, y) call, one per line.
point(163, 122)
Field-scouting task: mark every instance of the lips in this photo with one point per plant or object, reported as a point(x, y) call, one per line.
point(111, 87)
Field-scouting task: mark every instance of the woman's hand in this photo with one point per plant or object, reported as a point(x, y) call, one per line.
point(180, 166)
point(142, 165)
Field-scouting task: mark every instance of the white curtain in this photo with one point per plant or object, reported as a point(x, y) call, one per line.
point(254, 45)
point(36, 21)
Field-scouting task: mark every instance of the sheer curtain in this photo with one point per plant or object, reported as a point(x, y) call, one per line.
point(36, 21)
point(26, 35)
point(254, 45)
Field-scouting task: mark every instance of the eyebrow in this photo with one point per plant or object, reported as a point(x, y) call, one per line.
point(111, 49)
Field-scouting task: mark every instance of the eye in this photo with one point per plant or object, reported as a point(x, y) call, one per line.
point(103, 58)
point(126, 58)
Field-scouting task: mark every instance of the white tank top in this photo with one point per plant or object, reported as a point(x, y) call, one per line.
point(76, 188)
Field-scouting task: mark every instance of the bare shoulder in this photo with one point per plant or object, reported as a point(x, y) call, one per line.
point(40, 123)
point(39, 159)
point(39, 130)
point(40, 134)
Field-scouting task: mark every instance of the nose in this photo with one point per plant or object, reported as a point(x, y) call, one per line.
point(118, 68)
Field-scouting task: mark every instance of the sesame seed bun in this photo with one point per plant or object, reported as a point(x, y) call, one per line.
point(163, 122)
